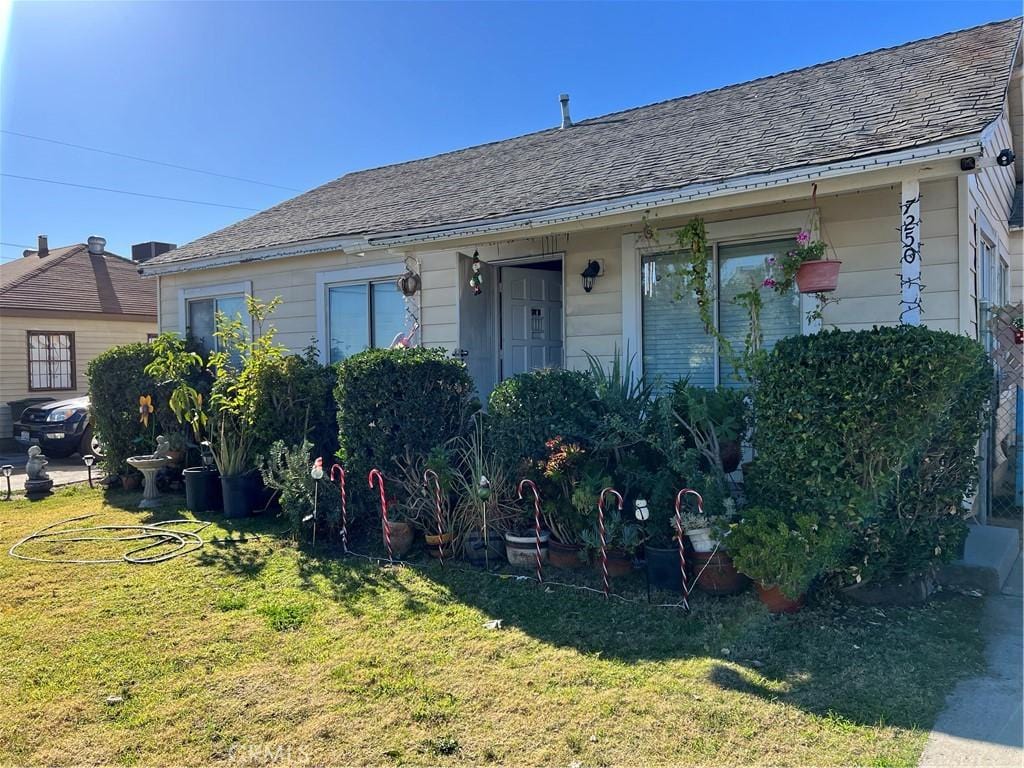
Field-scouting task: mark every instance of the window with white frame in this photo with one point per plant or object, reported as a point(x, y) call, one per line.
point(363, 314)
point(51, 360)
point(201, 317)
point(675, 343)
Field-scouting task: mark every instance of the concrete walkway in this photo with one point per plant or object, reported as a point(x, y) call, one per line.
point(983, 723)
point(61, 471)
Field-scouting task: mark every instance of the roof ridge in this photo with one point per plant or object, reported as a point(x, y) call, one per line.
point(44, 265)
point(596, 118)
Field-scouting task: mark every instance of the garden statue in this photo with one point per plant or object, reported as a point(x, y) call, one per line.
point(35, 468)
point(37, 481)
point(163, 448)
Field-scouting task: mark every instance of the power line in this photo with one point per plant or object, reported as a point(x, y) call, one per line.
point(147, 160)
point(126, 192)
point(17, 245)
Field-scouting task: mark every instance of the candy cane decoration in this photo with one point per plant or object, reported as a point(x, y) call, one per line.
point(344, 505)
point(679, 534)
point(376, 473)
point(536, 521)
point(428, 476)
point(601, 532)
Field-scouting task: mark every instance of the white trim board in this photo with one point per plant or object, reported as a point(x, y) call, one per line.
point(344, 276)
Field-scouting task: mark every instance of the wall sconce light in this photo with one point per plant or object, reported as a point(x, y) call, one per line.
point(89, 460)
point(590, 274)
point(7, 469)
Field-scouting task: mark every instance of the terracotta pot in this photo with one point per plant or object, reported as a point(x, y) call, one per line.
point(818, 276)
point(620, 562)
point(401, 539)
point(439, 546)
point(716, 574)
point(776, 601)
point(568, 556)
point(521, 551)
point(130, 482)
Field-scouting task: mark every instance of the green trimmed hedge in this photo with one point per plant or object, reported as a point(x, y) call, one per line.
point(529, 409)
point(393, 400)
point(117, 379)
point(296, 403)
point(874, 431)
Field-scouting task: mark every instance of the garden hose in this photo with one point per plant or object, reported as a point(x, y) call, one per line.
point(184, 541)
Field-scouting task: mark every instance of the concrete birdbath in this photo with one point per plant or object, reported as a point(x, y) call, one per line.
point(149, 466)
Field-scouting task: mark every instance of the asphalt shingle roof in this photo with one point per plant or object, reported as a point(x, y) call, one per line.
point(883, 101)
point(70, 279)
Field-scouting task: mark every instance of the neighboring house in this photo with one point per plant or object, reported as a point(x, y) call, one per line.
point(59, 308)
point(839, 148)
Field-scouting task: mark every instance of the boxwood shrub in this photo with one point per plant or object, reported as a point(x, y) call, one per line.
point(116, 381)
point(391, 400)
point(876, 431)
point(529, 409)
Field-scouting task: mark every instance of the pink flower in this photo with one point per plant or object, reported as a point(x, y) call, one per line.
point(769, 282)
point(771, 261)
point(803, 238)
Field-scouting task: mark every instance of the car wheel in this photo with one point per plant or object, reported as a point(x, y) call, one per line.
point(86, 443)
point(96, 445)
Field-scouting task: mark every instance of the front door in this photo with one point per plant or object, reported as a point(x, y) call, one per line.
point(531, 319)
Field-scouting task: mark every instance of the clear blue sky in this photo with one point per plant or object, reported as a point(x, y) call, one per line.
point(297, 94)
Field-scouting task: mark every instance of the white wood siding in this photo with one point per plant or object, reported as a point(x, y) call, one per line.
point(862, 227)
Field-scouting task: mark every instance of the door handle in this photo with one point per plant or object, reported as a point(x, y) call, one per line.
point(460, 353)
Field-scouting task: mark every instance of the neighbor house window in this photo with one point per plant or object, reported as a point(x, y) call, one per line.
point(675, 343)
point(51, 360)
point(363, 315)
point(202, 318)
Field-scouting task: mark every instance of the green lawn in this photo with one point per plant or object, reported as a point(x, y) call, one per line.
point(254, 652)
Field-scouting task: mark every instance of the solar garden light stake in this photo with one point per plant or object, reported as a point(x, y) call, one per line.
point(601, 533)
point(679, 537)
point(430, 477)
point(89, 460)
point(337, 468)
point(7, 469)
point(376, 474)
point(317, 473)
point(536, 521)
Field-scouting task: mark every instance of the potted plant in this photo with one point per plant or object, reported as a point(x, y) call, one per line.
point(806, 267)
point(571, 486)
point(783, 557)
point(521, 543)
point(621, 542)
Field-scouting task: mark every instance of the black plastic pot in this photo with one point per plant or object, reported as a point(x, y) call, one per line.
point(237, 493)
point(202, 489)
point(663, 568)
point(477, 554)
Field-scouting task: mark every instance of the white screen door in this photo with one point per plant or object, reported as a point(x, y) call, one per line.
point(531, 319)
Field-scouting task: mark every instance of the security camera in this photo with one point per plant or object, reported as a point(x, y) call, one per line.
point(1003, 159)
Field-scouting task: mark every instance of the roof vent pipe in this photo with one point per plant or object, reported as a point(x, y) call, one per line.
point(564, 100)
point(43, 248)
point(97, 245)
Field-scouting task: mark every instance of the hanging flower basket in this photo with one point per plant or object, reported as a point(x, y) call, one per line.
point(819, 276)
